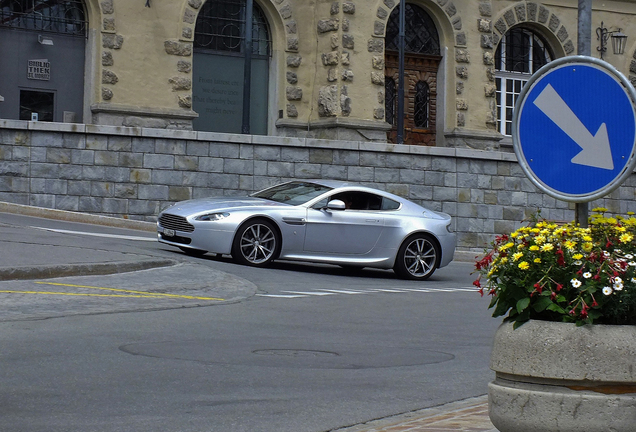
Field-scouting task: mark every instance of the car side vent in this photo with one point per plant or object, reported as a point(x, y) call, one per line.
point(177, 223)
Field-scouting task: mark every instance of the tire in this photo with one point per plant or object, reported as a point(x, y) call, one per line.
point(417, 258)
point(193, 252)
point(256, 243)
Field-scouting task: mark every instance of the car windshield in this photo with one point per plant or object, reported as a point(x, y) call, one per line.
point(293, 193)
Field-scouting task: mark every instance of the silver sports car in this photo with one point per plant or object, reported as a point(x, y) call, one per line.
point(318, 221)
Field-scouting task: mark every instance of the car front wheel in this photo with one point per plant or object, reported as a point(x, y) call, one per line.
point(417, 258)
point(256, 243)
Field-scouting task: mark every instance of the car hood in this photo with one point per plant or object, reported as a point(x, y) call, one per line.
point(187, 208)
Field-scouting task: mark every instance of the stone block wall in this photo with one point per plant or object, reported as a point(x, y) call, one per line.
point(135, 172)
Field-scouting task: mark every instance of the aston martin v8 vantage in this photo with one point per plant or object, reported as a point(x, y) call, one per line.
point(318, 221)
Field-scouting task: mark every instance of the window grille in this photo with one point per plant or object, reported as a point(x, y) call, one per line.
point(420, 32)
point(420, 115)
point(390, 100)
point(54, 16)
point(221, 27)
point(520, 53)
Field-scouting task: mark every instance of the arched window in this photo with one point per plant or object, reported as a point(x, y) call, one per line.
point(520, 53)
point(420, 34)
point(56, 16)
point(421, 63)
point(218, 70)
point(50, 48)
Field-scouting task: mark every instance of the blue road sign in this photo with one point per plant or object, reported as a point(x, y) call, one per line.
point(574, 128)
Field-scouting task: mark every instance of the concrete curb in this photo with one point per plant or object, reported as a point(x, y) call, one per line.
point(88, 269)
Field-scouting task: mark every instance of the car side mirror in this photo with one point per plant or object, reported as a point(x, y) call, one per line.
point(336, 205)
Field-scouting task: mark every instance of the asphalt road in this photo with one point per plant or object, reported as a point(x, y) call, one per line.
point(294, 347)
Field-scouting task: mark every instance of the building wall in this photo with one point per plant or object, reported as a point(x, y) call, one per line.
point(135, 172)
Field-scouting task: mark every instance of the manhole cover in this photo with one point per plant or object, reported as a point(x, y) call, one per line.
point(295, 353)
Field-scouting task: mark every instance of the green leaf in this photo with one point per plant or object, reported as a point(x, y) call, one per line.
point(556, 308)
point(523, 304)
point(542, 304)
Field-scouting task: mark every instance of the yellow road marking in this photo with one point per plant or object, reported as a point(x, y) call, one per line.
point(76, 294)
point(130, 293)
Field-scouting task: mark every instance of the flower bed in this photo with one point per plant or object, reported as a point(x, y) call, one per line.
point(554, 272)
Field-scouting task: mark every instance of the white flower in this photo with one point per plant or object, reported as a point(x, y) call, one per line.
point(632, 263)
point(629, 256)
point(607, 291)
point(618, 286)
point(578, 262)
point(587, 275)
point(618, 280)
point(634, 280)
point(606, 254)
point(575, 283)
point(618, 251)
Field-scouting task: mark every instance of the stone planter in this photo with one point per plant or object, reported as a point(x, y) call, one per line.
point(556, 377)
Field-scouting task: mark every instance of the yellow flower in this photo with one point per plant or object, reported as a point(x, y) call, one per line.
point(514, 235)
point(570, 244)
point(534, 248)
point(524, 265)
point(539, 239)
point(547, 247)
point(587, 246)
point(503, 260)
point(587, 238)
point(537, 260)
point(506, 246)
point(577, 256)
point(626, 238)
point(620, 229)
point(516, 256)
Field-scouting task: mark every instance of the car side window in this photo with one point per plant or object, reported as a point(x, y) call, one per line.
point(364, 201)
point(389, 204)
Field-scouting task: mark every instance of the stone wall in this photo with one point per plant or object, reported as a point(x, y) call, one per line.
point(135, 172)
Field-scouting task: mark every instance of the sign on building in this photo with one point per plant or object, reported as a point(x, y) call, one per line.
point(39, 69)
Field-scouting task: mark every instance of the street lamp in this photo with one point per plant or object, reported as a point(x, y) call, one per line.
point(618, 40)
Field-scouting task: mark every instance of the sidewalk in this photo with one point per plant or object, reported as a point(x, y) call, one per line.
point(470, 415)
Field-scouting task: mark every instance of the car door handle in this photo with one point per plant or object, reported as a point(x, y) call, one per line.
point(373, 220)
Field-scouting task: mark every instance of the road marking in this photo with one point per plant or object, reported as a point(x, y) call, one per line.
point(76, 294)
point(344, 291)
point(130, 293)
point(304, 294)
point(310, 293)
point(114, 236)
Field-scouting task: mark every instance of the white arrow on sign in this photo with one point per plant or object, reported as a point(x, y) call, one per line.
point(596, 151)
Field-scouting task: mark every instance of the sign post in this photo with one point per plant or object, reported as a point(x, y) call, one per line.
point(574, 129)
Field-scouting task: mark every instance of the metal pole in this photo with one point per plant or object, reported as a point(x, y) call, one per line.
point(400, 113)
point(584, 47)
point(247, 68)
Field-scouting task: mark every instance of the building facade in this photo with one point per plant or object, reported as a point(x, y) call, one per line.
point(321, 72)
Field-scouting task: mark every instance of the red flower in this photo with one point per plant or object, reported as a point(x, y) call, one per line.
point(559, 287)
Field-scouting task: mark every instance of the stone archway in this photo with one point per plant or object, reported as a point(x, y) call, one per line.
point(376, 46)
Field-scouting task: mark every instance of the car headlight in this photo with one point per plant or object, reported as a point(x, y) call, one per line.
point(211, 217)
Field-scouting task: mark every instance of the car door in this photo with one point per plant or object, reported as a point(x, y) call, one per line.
point(343, 232)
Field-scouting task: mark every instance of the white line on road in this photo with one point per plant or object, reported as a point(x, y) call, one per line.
point(115, 236)
point(310, 293)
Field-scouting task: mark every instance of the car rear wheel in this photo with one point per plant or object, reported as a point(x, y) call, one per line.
point(417, 258)
point(256, 243)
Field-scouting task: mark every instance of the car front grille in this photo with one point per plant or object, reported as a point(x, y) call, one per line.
point(177, 223)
